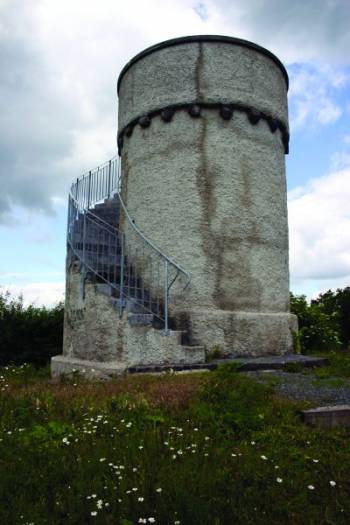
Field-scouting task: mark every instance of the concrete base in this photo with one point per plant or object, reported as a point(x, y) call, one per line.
point(62, 365)
point(329, 416)
point(244, 333)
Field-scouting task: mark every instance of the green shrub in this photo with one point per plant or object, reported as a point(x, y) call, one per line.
point(318, 329)
point(337, 303)
point(29, 334)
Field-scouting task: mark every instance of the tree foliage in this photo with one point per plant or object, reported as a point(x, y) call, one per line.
point(337, 303)
point(319, 328)
point(28, 334)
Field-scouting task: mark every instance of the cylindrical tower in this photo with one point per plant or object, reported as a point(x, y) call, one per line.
point(203, 130)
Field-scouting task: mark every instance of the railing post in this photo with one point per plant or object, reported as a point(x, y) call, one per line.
point(84, 236)
point(109, 178)
point(121, 285)
point(89, 189)
point(166, 298)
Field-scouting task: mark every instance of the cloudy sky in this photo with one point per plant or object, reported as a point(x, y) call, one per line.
point(59, 63)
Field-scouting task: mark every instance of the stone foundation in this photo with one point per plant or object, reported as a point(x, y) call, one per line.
point(244, 333)
point(95, 333)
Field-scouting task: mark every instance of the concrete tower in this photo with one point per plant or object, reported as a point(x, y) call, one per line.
point(203, 130)
point(185, 249)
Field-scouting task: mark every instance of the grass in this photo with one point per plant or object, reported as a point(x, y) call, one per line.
point(209, 449)
point(339, 365)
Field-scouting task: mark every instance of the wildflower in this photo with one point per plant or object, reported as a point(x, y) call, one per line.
point(159, 490)
point(252, 443)
point(134, 489)
point(140, 499)
point(134, 469)
point(263, 457)
point(311, 487)
point(279, 480)
point(177, 522)
point(174, 456)
point(234, 455)
point(315, 460)
point(180, 452)
point(151, 520)
point(99, 504)
point(128, 425)
point(93, 513)
point(102, 459)
point(332, 483)
point(140, 447)
point(142, 520)
point(207, 438)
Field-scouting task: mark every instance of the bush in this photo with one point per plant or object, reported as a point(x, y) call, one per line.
point(318, 328)
point(337, 303)
point(28, 334)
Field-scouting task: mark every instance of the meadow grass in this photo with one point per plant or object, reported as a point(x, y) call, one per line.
point(204, 449)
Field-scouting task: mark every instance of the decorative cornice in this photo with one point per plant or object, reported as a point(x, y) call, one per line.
point(204, 38)
point(194, 109)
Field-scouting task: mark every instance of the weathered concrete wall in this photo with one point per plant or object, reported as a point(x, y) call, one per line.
point(211, 193)
point(94, 332)
point(202, 71)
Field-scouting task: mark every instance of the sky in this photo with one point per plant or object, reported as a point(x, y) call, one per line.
point(59, 64)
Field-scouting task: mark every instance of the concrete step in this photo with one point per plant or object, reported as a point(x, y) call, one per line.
point(328, 416)
point(140, 319)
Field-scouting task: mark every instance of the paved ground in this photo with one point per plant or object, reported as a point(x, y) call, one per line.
point(308, 387)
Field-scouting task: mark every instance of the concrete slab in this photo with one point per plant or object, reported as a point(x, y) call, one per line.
point(328, 416)
point(249, 364)
point(62, 365)
point(106, 369)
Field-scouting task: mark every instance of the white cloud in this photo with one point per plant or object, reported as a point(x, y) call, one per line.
point(313, 95)
point(39, 293)
point(319, 222)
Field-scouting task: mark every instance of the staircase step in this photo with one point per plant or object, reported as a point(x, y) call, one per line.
point(140, 319)
point(193, 348)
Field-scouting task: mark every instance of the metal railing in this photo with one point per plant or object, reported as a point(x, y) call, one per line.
point(138, 272)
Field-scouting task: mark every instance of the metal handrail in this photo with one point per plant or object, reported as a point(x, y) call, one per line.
point(104, 182)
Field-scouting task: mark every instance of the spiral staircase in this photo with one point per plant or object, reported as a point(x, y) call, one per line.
point(114, 254)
